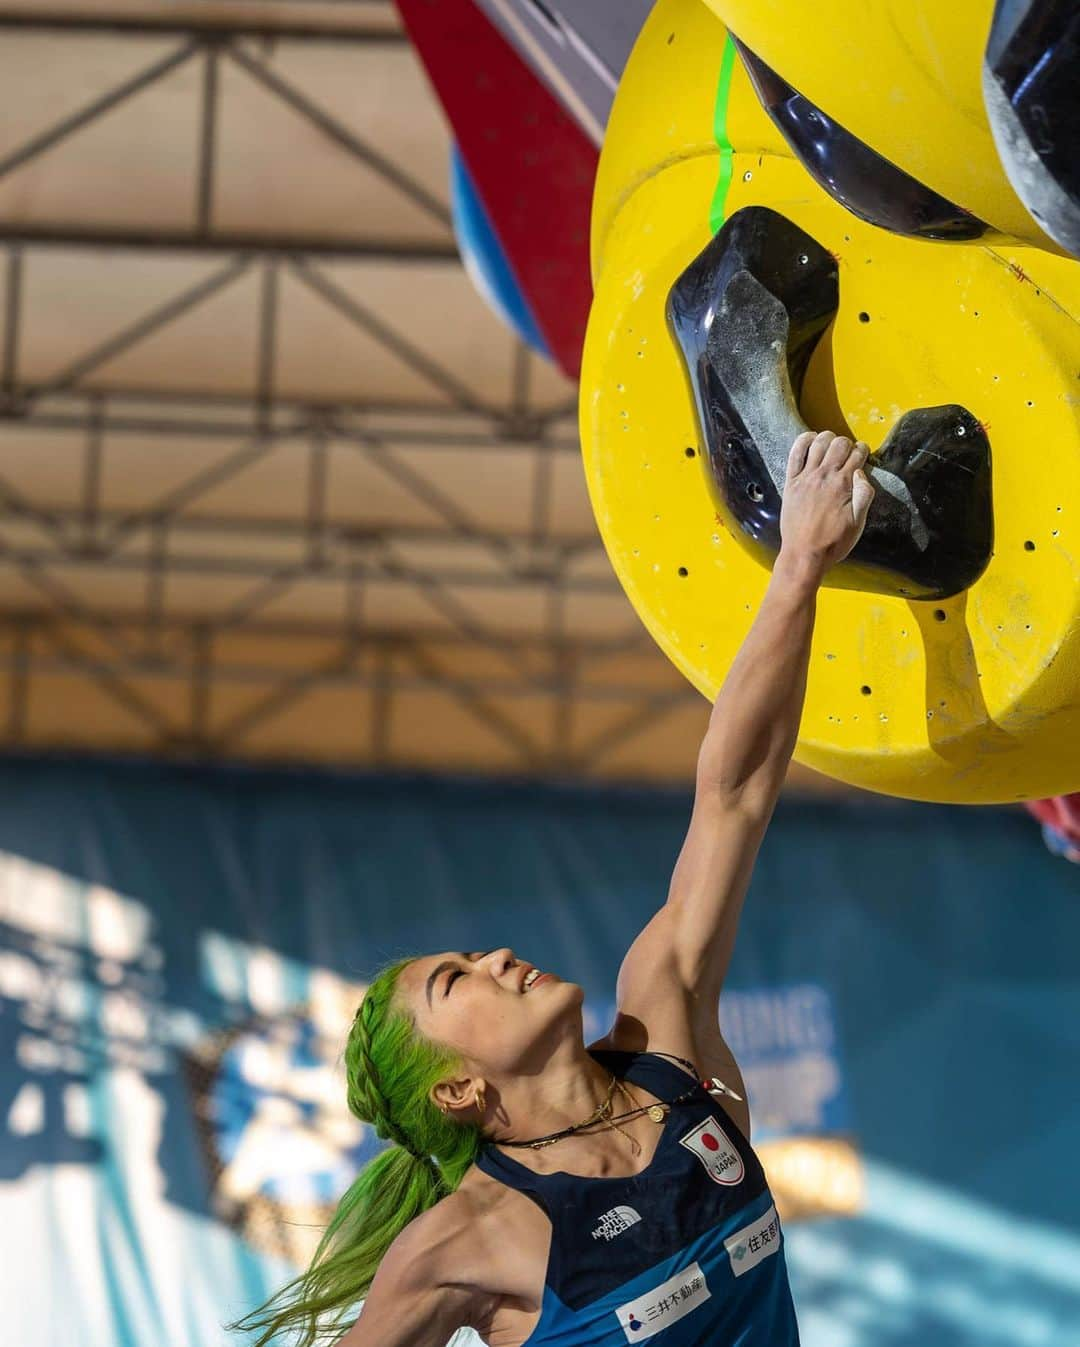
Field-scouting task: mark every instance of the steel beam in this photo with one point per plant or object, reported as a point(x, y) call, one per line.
point(339, 671)
point(272, 528)
point(290, 631)
point(145, 238)
point(306, 414)
point(288, 691)
point(341, 135)
point(258, 27)
point(373, 326)
point(204, 202)
point(284, 689)
point(12, 314)
point(91, 111)
point(139, 330)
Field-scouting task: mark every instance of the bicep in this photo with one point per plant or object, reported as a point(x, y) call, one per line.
point(677, 964)
point(708, 885)
point(668, 991)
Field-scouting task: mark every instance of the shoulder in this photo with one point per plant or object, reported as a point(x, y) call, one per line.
point(462, 1241)
point(428, 1269)
point(431, 1244)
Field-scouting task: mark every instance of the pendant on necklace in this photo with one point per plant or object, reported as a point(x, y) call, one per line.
point(657, 1113)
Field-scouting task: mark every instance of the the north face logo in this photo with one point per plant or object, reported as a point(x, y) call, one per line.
point(711, 1145)
point(614, 1222)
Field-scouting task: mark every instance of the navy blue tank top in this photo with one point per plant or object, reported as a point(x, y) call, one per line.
point(690, 1249)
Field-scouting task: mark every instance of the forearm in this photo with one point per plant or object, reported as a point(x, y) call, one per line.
point(755, 721)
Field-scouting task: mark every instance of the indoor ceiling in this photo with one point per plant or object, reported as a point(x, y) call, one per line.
point(275, 484)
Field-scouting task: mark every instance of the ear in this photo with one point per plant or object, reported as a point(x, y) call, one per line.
point(457, 1097)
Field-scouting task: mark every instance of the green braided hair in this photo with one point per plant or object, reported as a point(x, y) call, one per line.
point(390, 1069)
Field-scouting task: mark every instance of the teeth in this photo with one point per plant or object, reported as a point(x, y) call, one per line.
point(530, 978)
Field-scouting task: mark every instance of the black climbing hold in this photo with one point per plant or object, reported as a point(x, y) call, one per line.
point(747, 315)
point(853, 174)
point(1030, 76)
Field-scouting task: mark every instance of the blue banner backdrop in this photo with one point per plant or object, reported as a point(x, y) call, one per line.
point(181, 952)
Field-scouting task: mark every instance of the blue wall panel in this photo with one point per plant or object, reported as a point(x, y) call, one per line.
point(179, 951)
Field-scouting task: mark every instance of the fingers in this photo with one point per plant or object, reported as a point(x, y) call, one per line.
point(856, 459)
point(797, 457)
point(827, 450)
point(815, 455)
point(838, 452)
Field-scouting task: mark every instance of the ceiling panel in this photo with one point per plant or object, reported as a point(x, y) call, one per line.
point(275, 484)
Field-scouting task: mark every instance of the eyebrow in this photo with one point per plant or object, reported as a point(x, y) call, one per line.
point(449, 963)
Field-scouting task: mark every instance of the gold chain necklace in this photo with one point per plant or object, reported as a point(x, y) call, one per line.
point(602, 1113)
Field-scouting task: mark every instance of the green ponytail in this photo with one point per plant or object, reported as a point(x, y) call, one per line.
point(390, 1070)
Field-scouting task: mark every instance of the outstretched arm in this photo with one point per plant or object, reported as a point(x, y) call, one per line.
point(670, 980)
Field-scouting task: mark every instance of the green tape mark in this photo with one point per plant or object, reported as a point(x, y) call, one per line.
point(723, 91)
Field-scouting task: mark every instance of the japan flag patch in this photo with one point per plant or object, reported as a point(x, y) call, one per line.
point(711, 1145)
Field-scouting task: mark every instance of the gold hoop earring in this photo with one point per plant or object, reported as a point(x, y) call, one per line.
point(481, 1102)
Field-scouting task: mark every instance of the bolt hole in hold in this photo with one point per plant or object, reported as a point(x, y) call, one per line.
point(755, 492)
point(1029, 546)
point(690, 453)
point(683, 572)
point(1030, 403)
point(864, 317)
point(939, 614)
point(865, 690)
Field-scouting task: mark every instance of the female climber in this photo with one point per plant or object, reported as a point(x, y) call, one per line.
point(540, 1189)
